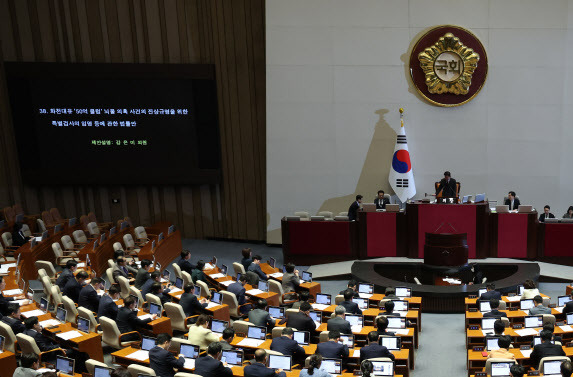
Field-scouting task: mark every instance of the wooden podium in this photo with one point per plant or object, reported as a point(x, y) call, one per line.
point(446, 249)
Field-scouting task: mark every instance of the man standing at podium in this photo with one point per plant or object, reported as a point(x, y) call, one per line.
point(381, 201)
point(447, 186)
point(512, 201)
point(354, 208)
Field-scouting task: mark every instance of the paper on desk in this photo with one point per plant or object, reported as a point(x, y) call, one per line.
point(81, 265)
point(254, 291)
point(38, 239)
point(526, 353)
point(45, 370)
point(189, 363)
point(250, 342)
point(33, 313)
point(179, 296)
point(513, 298)
point(356, 353)
point(141, 355)
point(400, 331)
point(12, 292)
point(216, 276)
point(100, 292)
point(319, 306)
point(277, 275)
point(212, 305)
point(526, 332)
point(560, 309)
point(69, 335)
point(402, 313)
point(144, 316)
point(317, 324)
point(49, 322)
point(365, 295)
point(175, 290)
point(21, 302)
point(226, 283)
point(356, 328)
point(208, 266)
point(566, 328)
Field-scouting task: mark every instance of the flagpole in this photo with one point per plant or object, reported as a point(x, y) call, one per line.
point(401, 117)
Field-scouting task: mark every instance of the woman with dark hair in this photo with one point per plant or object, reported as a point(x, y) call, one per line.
point(569, 213)
point(247, 260)
point(367, 368)
point(18, 237)
point(314, 367)
point(529, 290)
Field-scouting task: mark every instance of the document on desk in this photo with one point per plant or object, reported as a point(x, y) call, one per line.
point(208, 266)
point(276, 275)
point(49, 322)
point(356, 328)
point(402, 313)
point(212, 305)
point(81, 265)
point(365, 295)
point(175, 290)
point(254, 291)
point(21, 302)
point(189, 363)
point(566, 328)
point(144, 316)
point(526, 353)
point(400, 331)
point(226, 283)
point(319, 306)
point(69, 335)
point(526, 332)
point(141, 355)
point(33, 313)
point(356, 353)
point(216, 276)
point(560, 309)
point(249, 342)
point(513, 298)
point(12, 292)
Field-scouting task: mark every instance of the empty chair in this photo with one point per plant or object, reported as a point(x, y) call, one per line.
point(80, 237)
point(302, 214)
point(91, 364)
point(204, 288)
point(68, 243)
point(239, 268)
point(56, 298)
point(137, 293)
point(88, 314)
point(84, 221)
point(93, 229)
point(4, 257)
point(177, 270)
point(549, 319)
point(8, 243)
point(48, 219)
point(109, 275)
point(129, 243)
point(111, 335)
point(26, 230)
point(139, 370)
point(117, 246)
point(46, 285)
point(28, 345)
point(62, 257)
point(326, 214)
point(56, 215)
point(71, 310)
point(9, 337)
point(177, 316)
point(186, 276)
point(9, 214)
point(275, 286)
point(141, 235)
point(123, 285)
point(47, 267)
point(230, 300)
point(41, 225)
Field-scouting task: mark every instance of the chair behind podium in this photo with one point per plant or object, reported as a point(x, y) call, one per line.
point(439, 195)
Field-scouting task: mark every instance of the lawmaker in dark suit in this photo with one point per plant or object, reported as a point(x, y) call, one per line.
point(338, 323)
point(256, 267)
point(352, 285)
point(569, 306)
point(546, 214)
point(291, 280)
point(18, 237)
point(351, 307)
point(494, 305)
point(512, 201)
point(74, 286)
point(373, 349)
point(301, 320)
point(259, 368)
point(353, 209)
point(545, 349)
point(44, 343)
point(210, 366)
point(161, 360)
point(155, 278)
point(13, 319)
point(333, 349)
point(490, 294)
point(142, 274)
point(185, 262)
point(190, 303)
point(260, 317)
point(122, 269)
point(286, 345)
point(382, 325)
point(89, 298)
point(127, 320)
point(381, 201)
point(246, 261)
point(238, 289)
point(4, 301)
point(161, 293)
point(447, 186)
point(107, 307)
point(67, 274)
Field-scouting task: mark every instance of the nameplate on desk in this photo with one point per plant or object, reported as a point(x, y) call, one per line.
point(472, 296)
point(533, 373)
point(552, 305)
point(478, 348)
point(525, 348)
point(513, 309)
point(481, 374)
point(518, 326)
point(472, 310)
point(474, 327)
point(569, 345)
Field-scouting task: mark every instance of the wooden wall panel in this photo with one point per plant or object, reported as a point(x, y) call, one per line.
point(229, 34)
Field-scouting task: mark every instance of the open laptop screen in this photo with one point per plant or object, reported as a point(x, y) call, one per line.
point(218, 326)
point(302, 337)
point(362, 303)
point(83, 324)
point(562, 300)
point(391, 342)
point(232, 357)
point(332, 366)
point(61, 315)
point(383, 368)
point(500, 369)
point(534, 321)
point(365, 288)
point(347, 340)
point(280, 362)
point(403, 292)
point(277, 311)
point(491, 343)
point(217, 297)
point(400, 306)
point(552, 367)
point(263, 286)
point(100, 371)
point(487, 323)
point(316, 316)
point(396, 322)
point(256, 332)
point(147, 343)
point(189, 351)
point(65, 365)
point(306, 276)
point(155, 309)
point(355, 320)
point(570, 318)
point(324, 299)
point(526, 304)
point(484, 306)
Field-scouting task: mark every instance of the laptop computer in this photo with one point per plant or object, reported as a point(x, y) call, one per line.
point(532, 321)
point(306, 276)
point(112, 231)
point(520, 289)
point(332, 366)
point(383, 368)
point(356, 320)
point(323, 299)
point(365, 289)
point(526, 304)
point(217, 298)
point(368, 207)
point(277, 312)
point(57, 228)
point(524, 208)
point(302, 337)
point(256, 335)
point(487, 324)
point(484, 306)
point(562, 300)
point(166, 275)
point(502, 209)
point(2, 340)
point(552, 368)
point(272, 262)
point(537, 340)
point(233, 357)
point(263, 286)
point(197, 291)
point(347, 340)
point(83, 324)
point(396, 322)
point(480, 198)
point(61, 314)
point(465, 199)
point(491, 343)
point(224, 269)
point(403, 292)
point(316, 317)
point(100, 371)
point(392, 343)
point(171, 229)
point(218, 326)
point(280, 362)
point(190, 352)
point(155, 309)
point(160, 237)
point(570, 318)
point(500, 368)
point(65, 365)
point(400, 305)
point(147, 343)
point(481, 292)
point(362, 302)
point(44, 304)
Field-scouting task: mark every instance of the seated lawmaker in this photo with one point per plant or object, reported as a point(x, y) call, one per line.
point(154, 277)
point(198, 273)
point(123, 269)
point(29, 364)
point(381, 201)
point(238, 289)
point(447, 187)
point(162, 293)
point(256, 267)
point(512, 201)
point(566, 369)
point(301, 320)
point(161, 360)
point(260, 316)
point(539, 308)
point(190, 303)
point(89, 297)
point(210, 366)
point(127, 320)
point(389, 309)
point(390, 294)
point(228, 336)
point(382, 325)
point(490, 293)
point(546, 214)
point(67, 273)
point(107, 306)
point(184, 262)
point(338, 322)
point(74, 286)
point(529, 290)
point(200, 334)
point(333, 349)
point(18, 237)
point(303, 296)
point(314, 363)
point(350, 306)
point(34, 330)
point(5, 301)
point(494, 305)
point(13, 319)
point(291, 280)
point(246, 261)
point(374, 349)
point(569, 213)
point(353, 209)
point(353, 285)
point(260, 369)
point(517, 370)
point(142, 274)
point(545, 349)
point(286, 345)
point(504, 342)
point(569, 306)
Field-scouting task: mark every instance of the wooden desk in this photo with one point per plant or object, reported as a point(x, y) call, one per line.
point(509, 301)
point(312, 288)
point(514, 316)
point(218, 312)
point(569, 289)
point(476, 337)
point(271, 297)
point(7, 363)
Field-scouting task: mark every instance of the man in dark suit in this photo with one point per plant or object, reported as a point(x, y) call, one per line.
point(13, 319)
point(127, 320)
point(255, 267)
point(161, 360)
point(67, 274)
point(34, 330)
point(291, 280)
point(301, 320)
point(155, 277)
point(374, 349)
point(122, 269)
point(18, 237)
point(447, 186)
point(246, 261)
point(545, 349)
point(189, 302)
point(303, 296)
point(494, 305)
point(490, 294)
point(512, 201)
point(286, 345)
point(382, 325)
point(210, 366)
point(162, 293)
point(338, 323)
point(142, 274)
point(74, 286)
point(333, 349)
point(390, 294)
point(353, 209)
point(546, 214)
point(89, 298)
point(351, 307)
point(184, 262)
point(260, 317)
point(352, 285)
point(259, 368)
point(569, 306)
point(4, 301)
point(238, 289)
point(381, 201)
point(566, 369)
point(107, 306)
point(228, 335)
